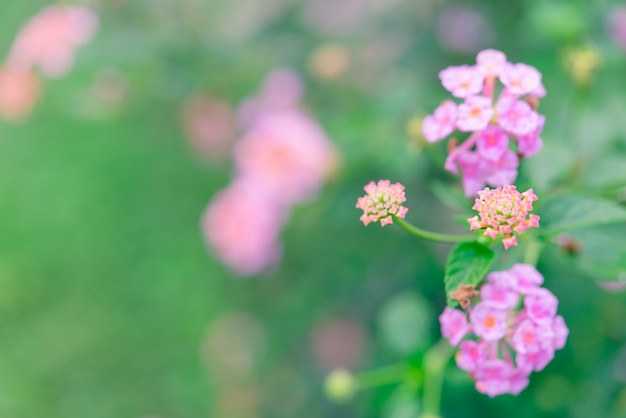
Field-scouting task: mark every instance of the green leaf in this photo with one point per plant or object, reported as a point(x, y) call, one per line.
point(602, 252)
point(467, 264)
point(570, 212)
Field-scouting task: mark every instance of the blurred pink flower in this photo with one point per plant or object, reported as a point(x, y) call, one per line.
point(490, 62)
point(474, 114)
point(287, 155)
point(441, 123)
point(492, 143)
point(19, 91)
point(242, 226)
point(454, 325)
point(463, 29)
point(617, 25)
point(209, 125)
point(520, 79)
point(281, 90)
point(49, 39)
point(462, 81)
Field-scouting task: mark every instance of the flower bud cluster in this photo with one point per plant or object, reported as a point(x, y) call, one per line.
point(485, 157)
point(503, 211)
point(514, 331)
point(382, 200)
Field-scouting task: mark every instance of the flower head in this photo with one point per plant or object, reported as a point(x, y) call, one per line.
point(507, 340)
point(503, 211)
point(503, 122)
point(382, 201)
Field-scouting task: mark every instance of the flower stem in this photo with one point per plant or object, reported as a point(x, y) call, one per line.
point(433, 236)
point(383, 376)
point(533, 250)
point(435, 362)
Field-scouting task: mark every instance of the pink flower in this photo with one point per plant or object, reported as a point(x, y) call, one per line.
point(503, 211)
point(536, 361)
point(470, 354)
point(49, 40)
point(516, 116)
point(493, 377)
point(526, 278)
point(382, 201)
point(490, 62)
point(530, 144)
point(474, 114)
point(19, 91)
point(502, 171)
point(488, 322)
point(241, 225)
point(287, 154)
point(462, 81)
point(511, 342)
point(560, 331)
point(531, 338)
point(520, 79)
point(492, 143)
point(473, 170)
point(454, 325)
point(280, 92)
point(499, 297)
point(441, 123)
point(541, 306)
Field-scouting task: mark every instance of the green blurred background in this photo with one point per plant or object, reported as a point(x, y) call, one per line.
point(110, 303)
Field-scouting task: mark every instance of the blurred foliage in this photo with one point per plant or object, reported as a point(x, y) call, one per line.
point(110, 304)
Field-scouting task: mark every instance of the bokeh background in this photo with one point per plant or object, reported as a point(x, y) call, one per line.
point(111, 303)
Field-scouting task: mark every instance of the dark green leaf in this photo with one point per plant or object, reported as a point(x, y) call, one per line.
point(570, 212)
point(467, 264)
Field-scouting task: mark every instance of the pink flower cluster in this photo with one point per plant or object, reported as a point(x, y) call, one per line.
point(516, 331)
point(382, 201)
point(281, 160)
point(47, 42)
point(503, 211)
point(494, 116)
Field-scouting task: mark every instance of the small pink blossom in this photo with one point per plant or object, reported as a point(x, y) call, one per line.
point(526, 278)
point(382, 201)
point(470, 354)
point(492, 143)
point(502, 171)
point(440, 124)
point(493, 377)
point(454, 325)
point(49, 40)
point(516, 116)
point(490, 62)
point(531, 338)
point(473, 170)
point(536, 361)
point(499, 297)
point(560, 331)
point(520, 79)
point(530, 144)
point(541, 306)
point(474, 114)
point(503, 211)
point(488, 322)
point(462, 81)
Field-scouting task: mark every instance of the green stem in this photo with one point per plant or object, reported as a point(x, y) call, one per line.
point(533, 250)
point(383, 376)
point(435, 362)
point(433, 236)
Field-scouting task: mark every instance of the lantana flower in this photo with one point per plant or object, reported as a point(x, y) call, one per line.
point(382, 200)
point(505, 341)
point(503, 123)
point(504, 211)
